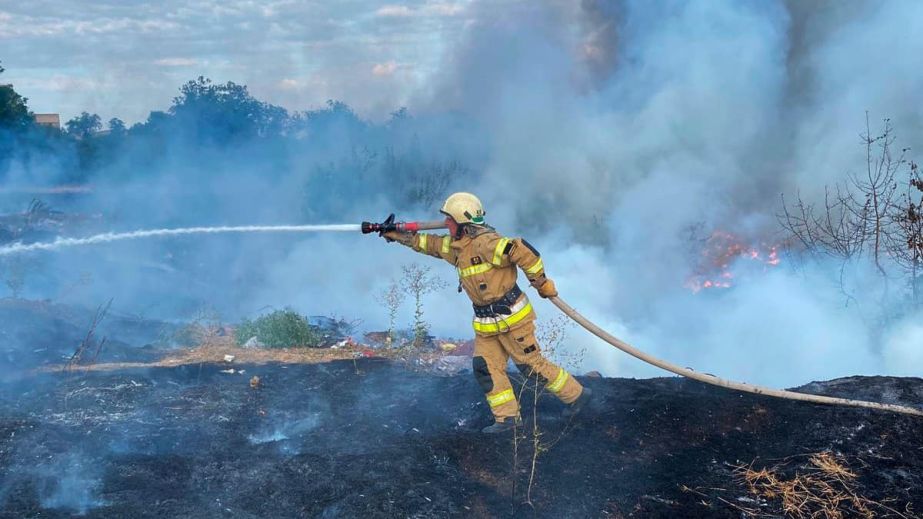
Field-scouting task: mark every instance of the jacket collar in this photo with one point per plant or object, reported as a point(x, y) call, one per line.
point(472, 232)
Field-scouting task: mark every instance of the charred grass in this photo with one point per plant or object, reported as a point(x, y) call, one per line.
point(374, 439)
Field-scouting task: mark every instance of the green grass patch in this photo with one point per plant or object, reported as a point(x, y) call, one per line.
point(280, 329)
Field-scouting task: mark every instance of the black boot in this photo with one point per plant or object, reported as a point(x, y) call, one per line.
point(571, 410)
point(505, 425)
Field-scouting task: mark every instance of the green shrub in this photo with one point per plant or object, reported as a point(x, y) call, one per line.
point(280, 329)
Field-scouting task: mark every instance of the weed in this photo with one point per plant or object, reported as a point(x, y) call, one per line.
point(280, 329)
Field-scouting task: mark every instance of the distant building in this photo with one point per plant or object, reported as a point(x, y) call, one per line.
point(51, 120)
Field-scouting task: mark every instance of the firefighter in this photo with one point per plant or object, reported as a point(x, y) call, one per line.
point(504, 322)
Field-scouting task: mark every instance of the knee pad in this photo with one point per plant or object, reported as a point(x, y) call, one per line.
point(482, 374)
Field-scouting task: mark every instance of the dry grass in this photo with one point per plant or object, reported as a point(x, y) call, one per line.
point(824, 488)
point(213, 349)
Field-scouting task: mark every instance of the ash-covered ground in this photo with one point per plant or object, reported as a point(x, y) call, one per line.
point(376, 439)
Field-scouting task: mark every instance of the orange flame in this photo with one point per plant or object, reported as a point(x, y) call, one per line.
point(721, 250)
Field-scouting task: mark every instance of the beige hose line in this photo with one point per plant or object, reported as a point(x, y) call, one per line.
point(716, 381)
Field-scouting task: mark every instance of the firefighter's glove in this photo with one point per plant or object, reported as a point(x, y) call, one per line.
point(387, 227)
point(390, 236)
point(547, 289)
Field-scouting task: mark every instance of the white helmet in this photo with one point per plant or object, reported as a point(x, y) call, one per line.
point(464, 208)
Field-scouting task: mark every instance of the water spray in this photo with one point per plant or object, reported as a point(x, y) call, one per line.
point(365, 227)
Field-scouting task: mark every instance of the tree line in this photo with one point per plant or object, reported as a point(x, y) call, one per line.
point(339, 147)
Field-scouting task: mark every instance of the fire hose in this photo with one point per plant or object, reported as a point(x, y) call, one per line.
point(717, 381)
point(390, 224)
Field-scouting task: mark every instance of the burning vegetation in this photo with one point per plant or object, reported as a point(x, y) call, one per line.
point(719, 254)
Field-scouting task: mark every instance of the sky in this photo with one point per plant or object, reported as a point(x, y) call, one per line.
point(126, 58)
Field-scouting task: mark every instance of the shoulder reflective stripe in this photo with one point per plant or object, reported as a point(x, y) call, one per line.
point(422, 242)
point(474, 269)
point(498, 251)
point(446, 244)
point(559, 381)
point(501, 398)
point(535, 269)
point(498, 324)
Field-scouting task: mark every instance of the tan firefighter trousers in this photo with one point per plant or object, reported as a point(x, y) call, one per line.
point(491, 353)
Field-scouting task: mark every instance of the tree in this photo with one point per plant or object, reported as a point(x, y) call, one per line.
point(416, 180)
point(84, 125)
point(866, 216)
point(417, 282)
point(908, 218)
point(14, 113)
point(116, 126)
point(225, 112)
point(391, 298)
point(331, 126)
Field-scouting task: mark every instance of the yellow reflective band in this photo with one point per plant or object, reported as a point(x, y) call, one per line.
point(446, 244)
point(535, 269)
point(422, 242)
point(517, 306)
point(503, 323)
point(559, 381)
point(501, 398)
point(475, 269)
point(498, 251)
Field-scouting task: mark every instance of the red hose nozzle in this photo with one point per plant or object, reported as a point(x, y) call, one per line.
point(390, 225)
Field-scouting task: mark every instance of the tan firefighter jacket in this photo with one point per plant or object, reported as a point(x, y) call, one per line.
point(486, 264)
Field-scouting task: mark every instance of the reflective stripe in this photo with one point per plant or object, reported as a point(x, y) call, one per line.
point(519, 305)
point(520, 310)
point(535, 269)
point(559, 381)
point(422, 243)
point(501, 398)
point(446, 244)
point(498, 251)
point(474, 269)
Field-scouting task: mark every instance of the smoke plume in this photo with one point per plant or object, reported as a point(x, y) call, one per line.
point(615, 136)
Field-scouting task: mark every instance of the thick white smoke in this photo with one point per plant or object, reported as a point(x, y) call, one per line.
point(635, 122)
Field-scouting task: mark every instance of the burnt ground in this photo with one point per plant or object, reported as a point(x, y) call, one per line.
point(374, 439)
point(38, 334)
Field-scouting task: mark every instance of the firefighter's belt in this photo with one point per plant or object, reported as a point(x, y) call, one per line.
point(502, 323)
point(502, 306)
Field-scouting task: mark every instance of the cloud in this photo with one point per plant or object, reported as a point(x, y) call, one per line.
point(176, 62)
point(18, 27)
point(428, 9)
point(399, 11)
point(384, 69)
point(288, 84)
point(63, 83)
point(324, 47)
